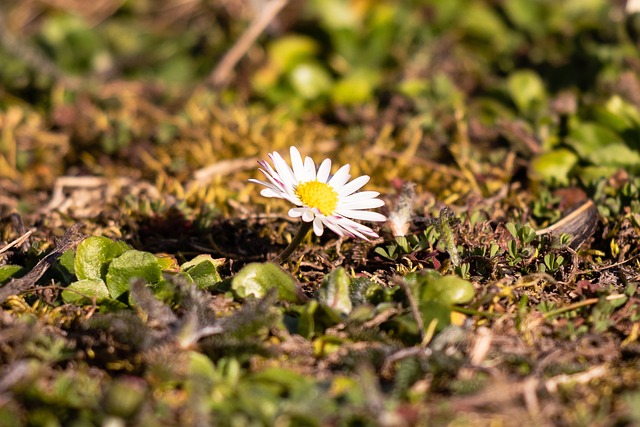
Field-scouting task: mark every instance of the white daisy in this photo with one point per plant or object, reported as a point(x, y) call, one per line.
point(320, 198)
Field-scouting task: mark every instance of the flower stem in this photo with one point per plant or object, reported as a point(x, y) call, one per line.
point(295, 242)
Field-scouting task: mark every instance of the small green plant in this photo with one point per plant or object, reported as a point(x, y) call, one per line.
point(552, 263)
point(519, 248)
point(404, 245)
point(445, 223)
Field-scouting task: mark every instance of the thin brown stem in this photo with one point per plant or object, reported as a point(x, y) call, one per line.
point(220, 75)
point(295, 242)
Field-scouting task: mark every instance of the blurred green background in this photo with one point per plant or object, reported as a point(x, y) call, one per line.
point(467, 83)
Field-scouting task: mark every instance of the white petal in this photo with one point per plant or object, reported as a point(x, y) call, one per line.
point(356, 232)
point(359, 230)
point(292, 198)
point(340, 177)
point(324, 170)
point(346, 222)
point(309, 169)
point(267, 170)
point(361, 204)
point(364, 215)
point(275, 182)
point(362, 195)
point(336, 228)
point(317, 226)
point(269, 192)
point(354, 185)
point(308, 215)
point(296, 162)
point(257, 181)
point(296, 212)
point(275, 188)
point(283, 169)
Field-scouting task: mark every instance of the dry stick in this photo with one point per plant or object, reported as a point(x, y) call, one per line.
point(220, 75)
point(70, 239)
point(17, 242)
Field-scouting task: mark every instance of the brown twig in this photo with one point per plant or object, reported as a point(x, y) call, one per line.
point(70, 239)
point(219, 78)
point(17, 241)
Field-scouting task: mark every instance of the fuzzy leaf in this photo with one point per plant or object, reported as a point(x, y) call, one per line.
point(334, 291)
point(93, 256)
point(86, 288)
point(130, 265)
point(203, 269)
point(257, 278)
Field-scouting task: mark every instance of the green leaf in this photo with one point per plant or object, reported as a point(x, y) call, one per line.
point(355, 88)
point(448, 290)
point(93, 256)
point(310, 80)
point(132, 265)
point(327, 344)
point(86, 289)
point(203, 269)
point(435, 311)
point(201, 373)
point(554, 165)
point(124, 396)
point(337, 14)
point(618, 154)
point(257, 278)
point(334, 291)
point(287, 52)
point(527, 90)
point(587, 138)
point(67, 261)
point(9, 271)
point(306, 321)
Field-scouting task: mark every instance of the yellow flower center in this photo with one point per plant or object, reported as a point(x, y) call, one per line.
point(320, 195)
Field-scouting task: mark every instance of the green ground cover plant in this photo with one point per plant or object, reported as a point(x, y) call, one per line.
point(144, 279)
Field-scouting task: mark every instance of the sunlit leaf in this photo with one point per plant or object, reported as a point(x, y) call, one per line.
point(527, 90)
point(256, 279)
point(131, 265)
point(310, 80)
point(9, 271)
point(203, 269)
point(334, 291)
point(86, 289)
point(448, 290)
point(554, 165)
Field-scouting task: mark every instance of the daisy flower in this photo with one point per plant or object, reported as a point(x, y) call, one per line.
point(321, 200)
